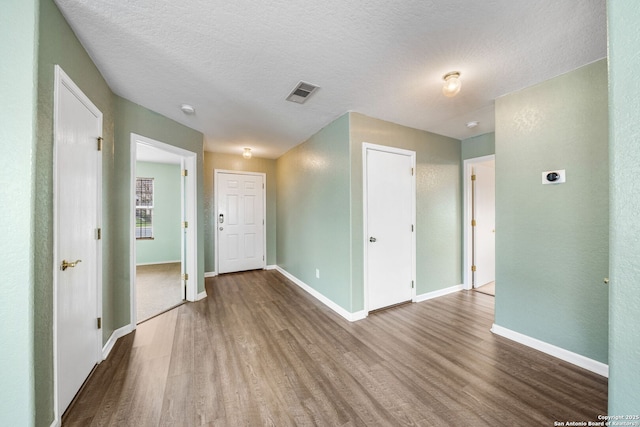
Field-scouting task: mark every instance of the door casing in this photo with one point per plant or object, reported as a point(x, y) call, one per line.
point(61, 78)
point(216, 173)
point(368, 146)
point(189, 210)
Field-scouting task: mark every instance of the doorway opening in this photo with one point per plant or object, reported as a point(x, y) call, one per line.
point(479, 224)
point(163, 227)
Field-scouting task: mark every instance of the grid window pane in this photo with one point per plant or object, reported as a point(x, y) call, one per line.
point(144, 208)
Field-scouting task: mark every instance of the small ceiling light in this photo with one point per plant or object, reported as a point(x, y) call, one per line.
point(472, 124)
point(187, 109)
point(452, 84)
point(247, 153)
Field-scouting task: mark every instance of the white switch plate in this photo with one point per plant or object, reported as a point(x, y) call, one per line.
point(317, 273)
point(562, 177)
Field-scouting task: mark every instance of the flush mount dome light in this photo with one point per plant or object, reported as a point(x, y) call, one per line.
point(247, 153)
point(187, 109)
point(452, 84)
point(472, 124)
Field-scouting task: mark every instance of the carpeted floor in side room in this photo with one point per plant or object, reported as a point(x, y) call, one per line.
point(158, 288)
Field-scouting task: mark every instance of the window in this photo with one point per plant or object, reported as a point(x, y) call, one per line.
point(144, 208)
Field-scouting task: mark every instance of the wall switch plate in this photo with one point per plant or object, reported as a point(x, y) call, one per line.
point(554, 177)
point(317, 273)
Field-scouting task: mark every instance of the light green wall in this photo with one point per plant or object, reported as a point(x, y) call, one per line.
point(478, 146)
point(624, 286)
point(236, 162)
point(313, 212)
point(58, 45)
point(552, 240)
point(133, 118)
point(165, 245)
point(438, 202)
point(19, 32)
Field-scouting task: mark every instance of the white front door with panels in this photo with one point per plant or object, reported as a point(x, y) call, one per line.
point(240, 221)
point(389, 215)
point(484, 241)
point(77, 216)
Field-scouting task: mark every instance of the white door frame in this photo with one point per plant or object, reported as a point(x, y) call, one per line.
point(61, 78)
point(368, 146)
point(188, 162)
point(216, 172)
point(468, 248)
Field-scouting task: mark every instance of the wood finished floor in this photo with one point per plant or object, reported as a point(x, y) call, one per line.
point(260, 351)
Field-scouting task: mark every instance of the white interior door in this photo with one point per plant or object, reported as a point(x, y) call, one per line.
point(485, 216)
point(240, 221)
point(389, 204)
point(77, 212)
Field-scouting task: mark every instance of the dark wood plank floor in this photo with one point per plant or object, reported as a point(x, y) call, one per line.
point(260, 351)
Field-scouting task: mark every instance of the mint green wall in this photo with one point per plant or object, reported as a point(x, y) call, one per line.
point(19, 31)
point(236, 162)
point(58, 45)
point(478, 146)
point(624, 287)
point(165, 245)
point(133, 118)
point(313, 212)
point(438, 202)
point(552, 240)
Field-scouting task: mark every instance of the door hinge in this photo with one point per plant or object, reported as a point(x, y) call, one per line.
point(473, 177)
point(473, 222)
point(263, 186)
point(412, 284)
point(411, 171)
point(99, 143)
point(185, 276)
point(98, 233)
point(263, 257)
point(412, 228)
point(473, 268)
point(99, 322)
point(185, 172)
point(185, 224)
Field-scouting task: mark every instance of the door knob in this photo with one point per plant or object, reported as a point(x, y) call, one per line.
point(66, 264)
point(372, 239)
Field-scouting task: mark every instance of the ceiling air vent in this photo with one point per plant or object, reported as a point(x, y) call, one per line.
point(302, 92)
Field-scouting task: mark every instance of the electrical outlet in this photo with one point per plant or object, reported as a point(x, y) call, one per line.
point(317, 273)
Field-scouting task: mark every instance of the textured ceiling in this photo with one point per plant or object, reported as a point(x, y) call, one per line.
point(236, 61)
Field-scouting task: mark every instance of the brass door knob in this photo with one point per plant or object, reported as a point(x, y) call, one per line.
point(66, 264)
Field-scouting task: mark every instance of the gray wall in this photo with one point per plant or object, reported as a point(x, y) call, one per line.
point(552, 240)
point(19, 28)
point(236, 162)
point(624, 287)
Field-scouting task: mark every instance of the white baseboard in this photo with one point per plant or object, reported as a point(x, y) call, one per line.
point(438, 293)
point(120, 332)
point(158, 262)
point(210, 274)
point(550, 349)
point(271, 267)
point(55, 423)
point(352, 317)
point(201, 295)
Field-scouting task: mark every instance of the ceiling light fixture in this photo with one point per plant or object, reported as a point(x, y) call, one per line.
point(187, 109)
point(472, 124)
point(452, 84)
point(247, 153)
